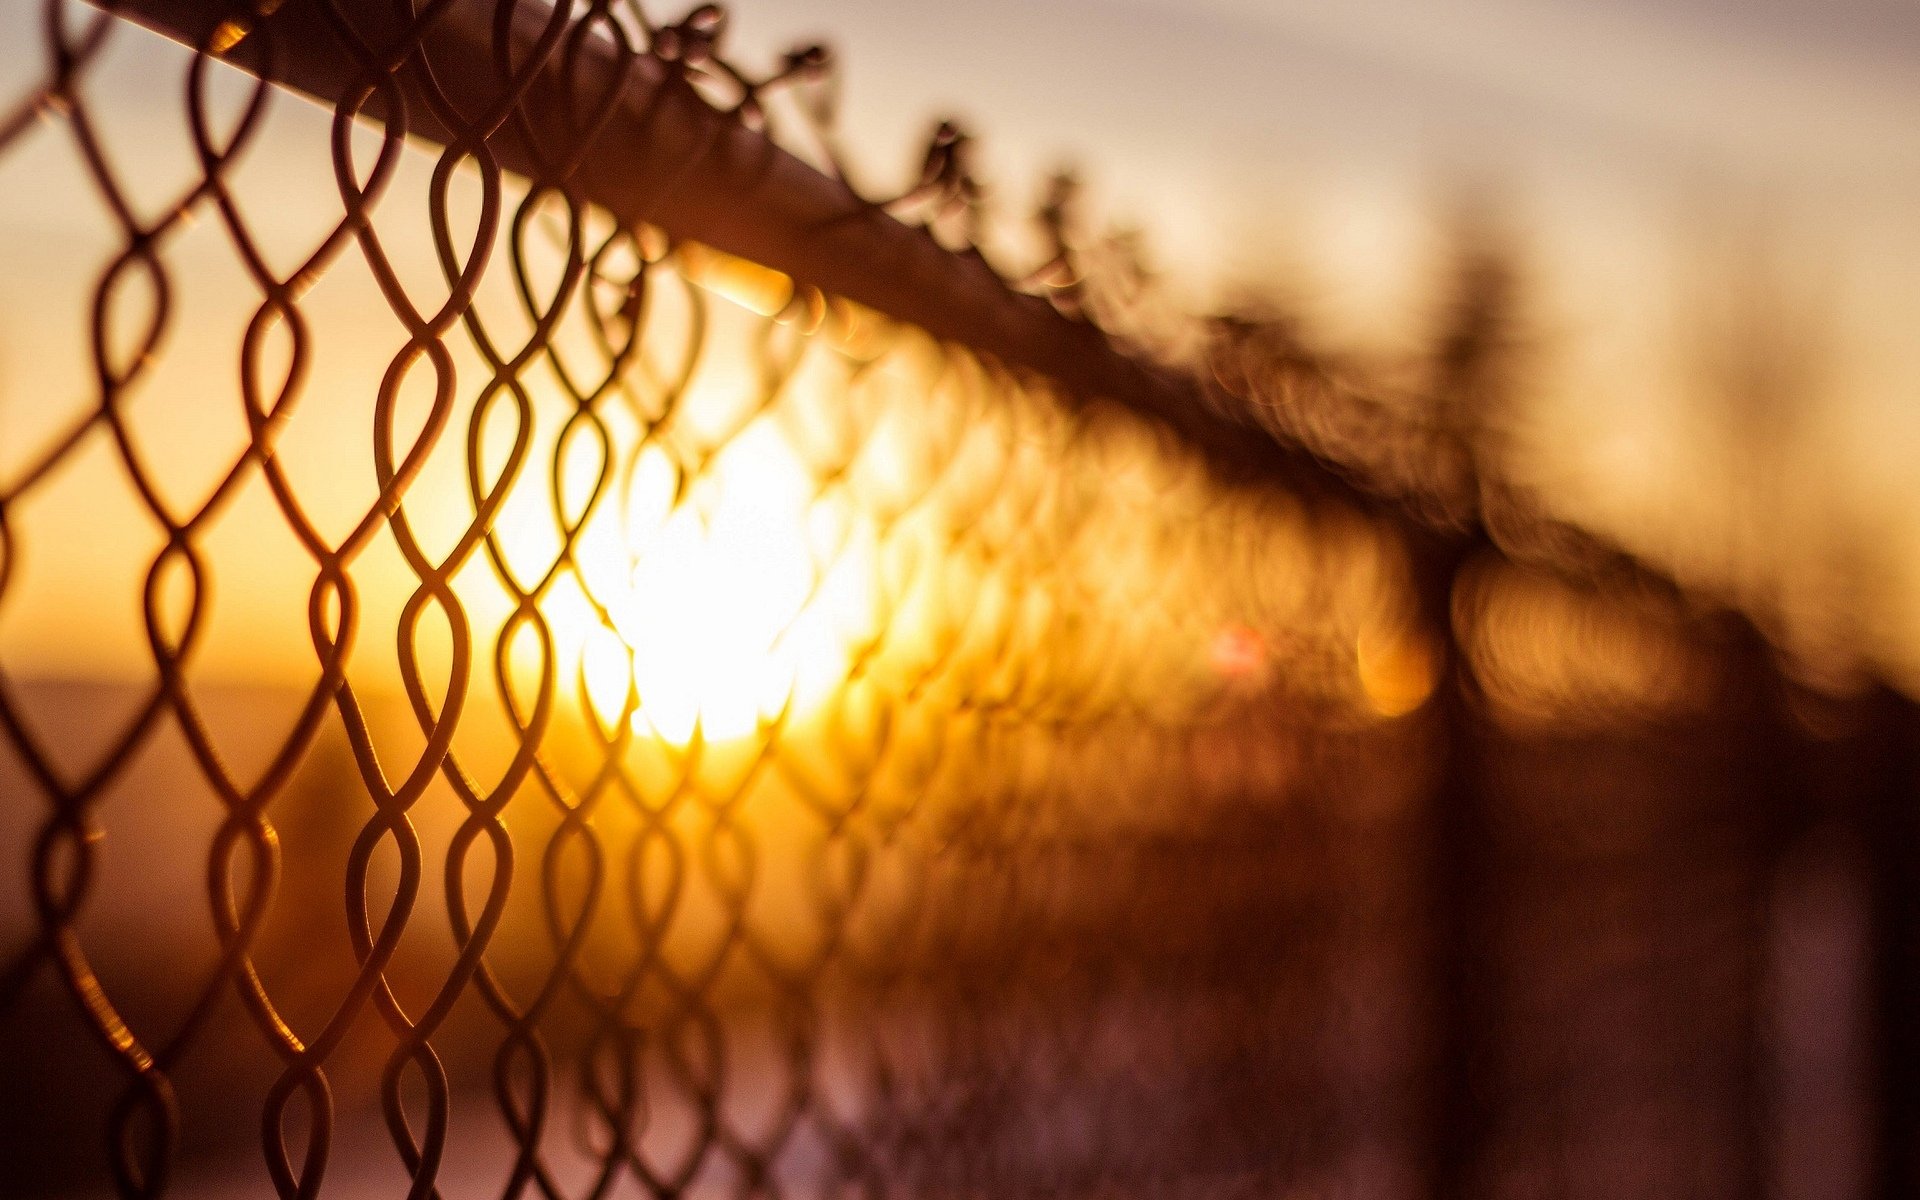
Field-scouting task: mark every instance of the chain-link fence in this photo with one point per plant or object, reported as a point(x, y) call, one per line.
point(550, 649)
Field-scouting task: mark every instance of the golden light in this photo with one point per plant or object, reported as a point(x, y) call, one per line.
point(1395, 670)
point(717, 583)
point(744, 596)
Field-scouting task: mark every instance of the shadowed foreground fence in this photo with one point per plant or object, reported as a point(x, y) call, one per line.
point(547, 648)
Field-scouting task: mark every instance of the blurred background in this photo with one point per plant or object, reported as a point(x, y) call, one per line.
point(1712, 205)
point(896, 776)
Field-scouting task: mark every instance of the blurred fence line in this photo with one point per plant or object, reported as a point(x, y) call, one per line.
point(860, 721)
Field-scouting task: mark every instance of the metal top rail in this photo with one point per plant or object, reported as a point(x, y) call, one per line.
point(663, 155)
point(655, 151)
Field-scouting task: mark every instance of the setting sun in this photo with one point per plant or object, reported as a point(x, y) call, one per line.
point(743, 598)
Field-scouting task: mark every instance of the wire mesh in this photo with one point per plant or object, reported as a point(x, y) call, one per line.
point(507, 692)
point(680, 667)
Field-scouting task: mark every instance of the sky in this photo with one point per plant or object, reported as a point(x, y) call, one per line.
point(1662, 165)
point(1651, 158)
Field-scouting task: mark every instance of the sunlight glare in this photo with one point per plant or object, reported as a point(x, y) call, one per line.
point(733, 612)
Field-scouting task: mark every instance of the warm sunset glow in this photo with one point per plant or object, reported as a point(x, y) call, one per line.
point(744, 600)
point(1184, 597)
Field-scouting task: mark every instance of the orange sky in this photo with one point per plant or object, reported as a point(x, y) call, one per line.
point(1651, 155)
point(1641, 149)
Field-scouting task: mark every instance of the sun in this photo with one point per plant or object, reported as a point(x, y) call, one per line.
point(744, 593)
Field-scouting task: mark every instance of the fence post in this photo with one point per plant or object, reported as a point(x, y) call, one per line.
point(1457, 882)
point(1891, 818)
point(1779, 811)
